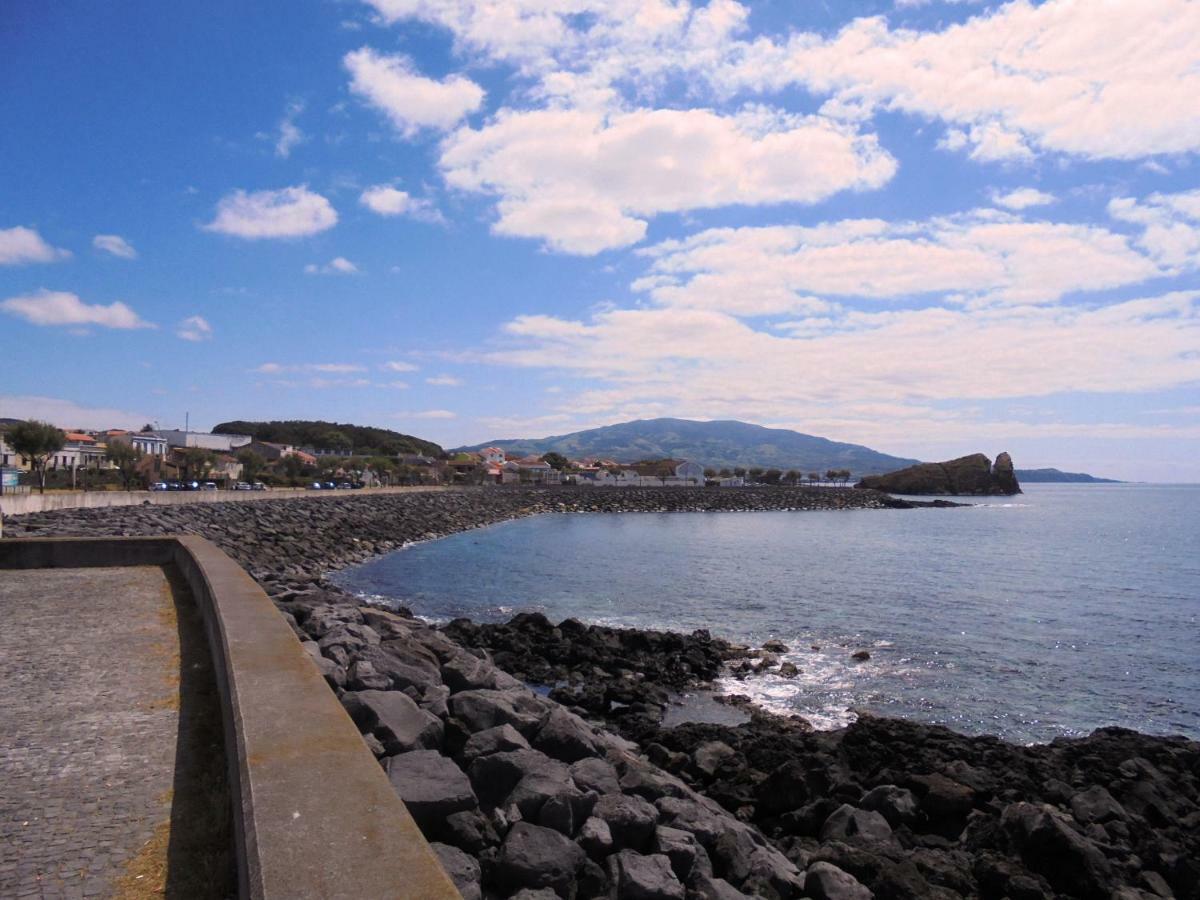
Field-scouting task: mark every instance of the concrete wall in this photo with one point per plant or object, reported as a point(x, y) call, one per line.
point(19, 504)
point(315, 815)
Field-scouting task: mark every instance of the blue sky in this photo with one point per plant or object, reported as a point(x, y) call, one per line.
point(930, 227)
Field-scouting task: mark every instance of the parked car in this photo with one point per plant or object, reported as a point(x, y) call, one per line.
point(315, 486)
point(258, 486)
point(159, 486)
point(191, 486)
point(345, 486)
point(242, 486)
point(174, 486)
point(208, 486)
point(329, 486)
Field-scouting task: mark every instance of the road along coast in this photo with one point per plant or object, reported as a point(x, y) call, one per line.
point(583, 793)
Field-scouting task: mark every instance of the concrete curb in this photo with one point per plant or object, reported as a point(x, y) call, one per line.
point(23, 504)
point(315, 815)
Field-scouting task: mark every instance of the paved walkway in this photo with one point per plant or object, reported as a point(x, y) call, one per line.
point(89, 668)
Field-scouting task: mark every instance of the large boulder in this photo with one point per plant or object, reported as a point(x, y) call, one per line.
point(972, 474)
point(825, 881)
point(566, 736)
point(1052, 848)
point(480, 709)
point(536, 857)
point(462, 869)
point(630, 819)
point(857, 826)
point(398, 723)
point(431, 786)
point(637, 877)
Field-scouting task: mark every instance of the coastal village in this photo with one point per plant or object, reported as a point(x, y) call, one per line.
point(180, 459)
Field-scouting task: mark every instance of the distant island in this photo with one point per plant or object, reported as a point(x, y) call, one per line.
point(719, 444)
point(1055, 476)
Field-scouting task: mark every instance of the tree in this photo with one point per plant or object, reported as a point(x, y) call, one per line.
point(37, 442)
point(196, 463)
point(791, 477)
point(293, 468)
point(813, 478)
point(740, 471)
point(145, 428)
point(383, 468)
point(725, 473)
point(252, 464)
point(771, 476)
point(756, 474)
point(125, 457)
point(832, 475)
point(556, 461)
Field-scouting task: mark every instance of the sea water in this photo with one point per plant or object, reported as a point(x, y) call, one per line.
point(1052, 613)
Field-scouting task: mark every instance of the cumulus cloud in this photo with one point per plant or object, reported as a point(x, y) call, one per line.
point(409, 100)
point(115, 245)
point(286, 213)
point(339, 265)
point(194, 328)
point(1022, 198)
point(21, 245)
point(982, 256)
point(584, 181)
point(1171, 223)
point(1110, 81)
point(387, 200)
point(66, 309)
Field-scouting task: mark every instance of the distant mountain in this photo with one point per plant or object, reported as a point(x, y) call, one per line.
point(358, 439)
point(725, 444)
point(1054, 476)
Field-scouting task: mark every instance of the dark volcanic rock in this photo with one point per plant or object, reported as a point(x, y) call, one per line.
point(537, 857)
point(431, 786)
point(973, 474)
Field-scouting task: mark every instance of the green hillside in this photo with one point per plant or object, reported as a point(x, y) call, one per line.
point(358, 439)
point(716, 444)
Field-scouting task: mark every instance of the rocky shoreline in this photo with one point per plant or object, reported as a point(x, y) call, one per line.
point(583, 793)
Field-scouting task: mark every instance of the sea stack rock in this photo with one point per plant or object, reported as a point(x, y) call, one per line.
point(973, 474)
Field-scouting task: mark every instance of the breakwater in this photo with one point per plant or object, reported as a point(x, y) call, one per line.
point(524, 792)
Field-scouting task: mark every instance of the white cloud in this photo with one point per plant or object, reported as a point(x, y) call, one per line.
point(445, 381)
point(986, 255)
point(426, 414)
point(1171, 222)
point(21, 245)
point(285, 213)
point(68, 414)
point(115, 245)
point(387, 200)
point(877, 374)
point(62, 308)
point(273, 368)
point(410, 101)
point(1023, 198)
point(339, 265)
point(585, 182)
point(399, 365)
point(194, 328)
point(290, 134)
point(1113, 80)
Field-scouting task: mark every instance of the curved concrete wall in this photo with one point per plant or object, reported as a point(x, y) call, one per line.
point(316, 816)
point(20, 504)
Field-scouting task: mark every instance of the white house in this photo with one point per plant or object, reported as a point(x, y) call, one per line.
point(222, 443)
point(492, 456)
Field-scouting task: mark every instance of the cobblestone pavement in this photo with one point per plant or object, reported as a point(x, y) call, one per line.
point(88, 718)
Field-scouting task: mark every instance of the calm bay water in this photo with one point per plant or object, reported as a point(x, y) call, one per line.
point(1052, 613)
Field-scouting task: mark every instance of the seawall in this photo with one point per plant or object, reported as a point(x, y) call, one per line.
point(521, 791)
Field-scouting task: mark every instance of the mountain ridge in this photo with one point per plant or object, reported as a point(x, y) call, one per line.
point(723, 443)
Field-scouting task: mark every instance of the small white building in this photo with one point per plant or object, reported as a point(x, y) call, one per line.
point(221, 443)
point(492, 456)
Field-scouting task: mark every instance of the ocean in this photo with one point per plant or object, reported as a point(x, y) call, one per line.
point(1052, 613)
